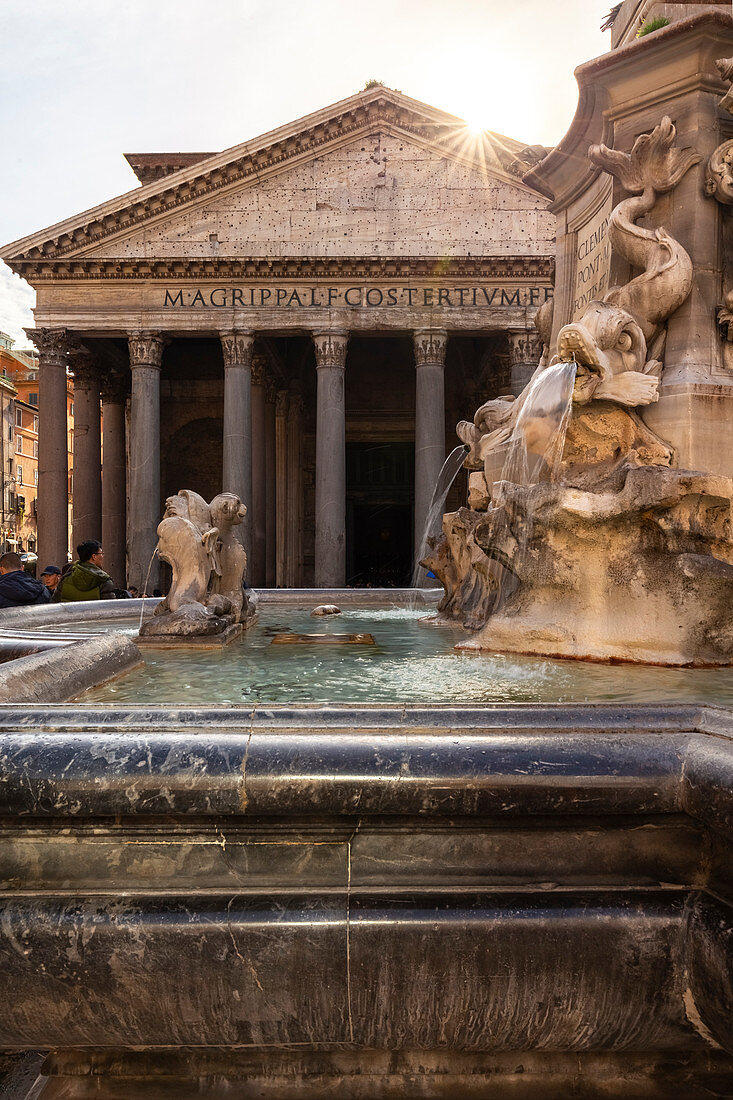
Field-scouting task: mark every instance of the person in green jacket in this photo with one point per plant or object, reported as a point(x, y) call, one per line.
point(85, 579)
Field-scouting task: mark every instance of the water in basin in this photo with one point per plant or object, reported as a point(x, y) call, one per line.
point(410, 663)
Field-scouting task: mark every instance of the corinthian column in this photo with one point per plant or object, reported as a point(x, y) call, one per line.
point(330, 569)
point(430, 346)
point(270, 479)
point(294, 483)
point(87, 496)
point(281, 478)
point(53, 465)
point(114, 506)
point(259, 474)
point(525, 352)
point(237, 465)
point(146, 354)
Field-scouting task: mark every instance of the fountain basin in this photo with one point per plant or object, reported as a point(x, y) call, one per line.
point(368, 901)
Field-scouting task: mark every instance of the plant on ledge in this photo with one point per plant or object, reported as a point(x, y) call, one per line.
point(652, 25)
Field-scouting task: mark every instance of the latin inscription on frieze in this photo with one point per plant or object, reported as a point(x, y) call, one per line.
point(592, 258)
point(354, 297)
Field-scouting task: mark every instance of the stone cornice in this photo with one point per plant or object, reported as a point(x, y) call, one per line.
point(346, 267)
point(379, 108)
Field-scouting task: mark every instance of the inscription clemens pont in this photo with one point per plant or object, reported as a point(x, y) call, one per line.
point(354, 297)
point(592, 258)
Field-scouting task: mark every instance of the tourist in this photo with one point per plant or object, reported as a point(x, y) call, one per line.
point(86, 580)
point(18, 588)
point(51, 576)
point(133, 591)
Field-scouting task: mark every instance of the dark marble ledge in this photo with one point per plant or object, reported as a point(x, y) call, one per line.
point(80, 775)
point(273, 830)
point(509, 892)
point(446, 719)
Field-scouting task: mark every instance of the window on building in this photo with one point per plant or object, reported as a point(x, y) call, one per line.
point(10, 432)
point(35, 423)
point(19, 445)
point(35, 477)
point(33, 399)
point(35, 448)
point(19, 474)
point(19, 418)
point(71, 409)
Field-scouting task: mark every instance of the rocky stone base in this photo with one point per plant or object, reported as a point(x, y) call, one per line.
point(639, 573)
point(192, 641)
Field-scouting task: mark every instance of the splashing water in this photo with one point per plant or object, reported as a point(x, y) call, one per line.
point(145, 586)
point(446, 477)
point(536, 443)
point(534, 452)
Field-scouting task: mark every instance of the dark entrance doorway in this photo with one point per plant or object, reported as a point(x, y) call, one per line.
point(379, 513)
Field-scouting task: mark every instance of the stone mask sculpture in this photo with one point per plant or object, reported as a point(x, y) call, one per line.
point(611, 553)
point(206, 597)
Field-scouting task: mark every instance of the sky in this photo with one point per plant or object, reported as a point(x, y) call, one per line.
point(85, 81)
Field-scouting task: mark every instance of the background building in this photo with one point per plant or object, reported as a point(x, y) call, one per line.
point(301, 319)
point(19, 454)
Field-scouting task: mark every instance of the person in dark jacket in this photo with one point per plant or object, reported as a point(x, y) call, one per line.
point(51, 576)
point(18, 588)
point(86, 580)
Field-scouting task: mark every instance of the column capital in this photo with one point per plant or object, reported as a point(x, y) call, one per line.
point(146, 349)
point(260, 363)
point(114, 389)
point(270, 390)
point(295, 404)
point(524, 346)
point(84, 367)
point(430, 345)
point(281, 402)
point(330, 348)
point(52, 343)
point(236, 348)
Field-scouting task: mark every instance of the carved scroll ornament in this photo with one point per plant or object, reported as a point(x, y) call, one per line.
point(719, 174)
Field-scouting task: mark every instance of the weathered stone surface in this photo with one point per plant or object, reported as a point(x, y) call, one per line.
point(409, 199)
point(471, 580)
point(640, 574)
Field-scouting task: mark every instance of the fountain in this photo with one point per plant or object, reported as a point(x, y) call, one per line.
point(452, 874)
point(601, 532)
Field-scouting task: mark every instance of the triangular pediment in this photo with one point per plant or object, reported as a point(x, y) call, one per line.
point(375, 169)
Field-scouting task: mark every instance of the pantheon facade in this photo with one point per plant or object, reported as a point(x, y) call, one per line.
point(301, 319)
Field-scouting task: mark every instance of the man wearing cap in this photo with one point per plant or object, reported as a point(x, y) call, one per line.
point(50, 577)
